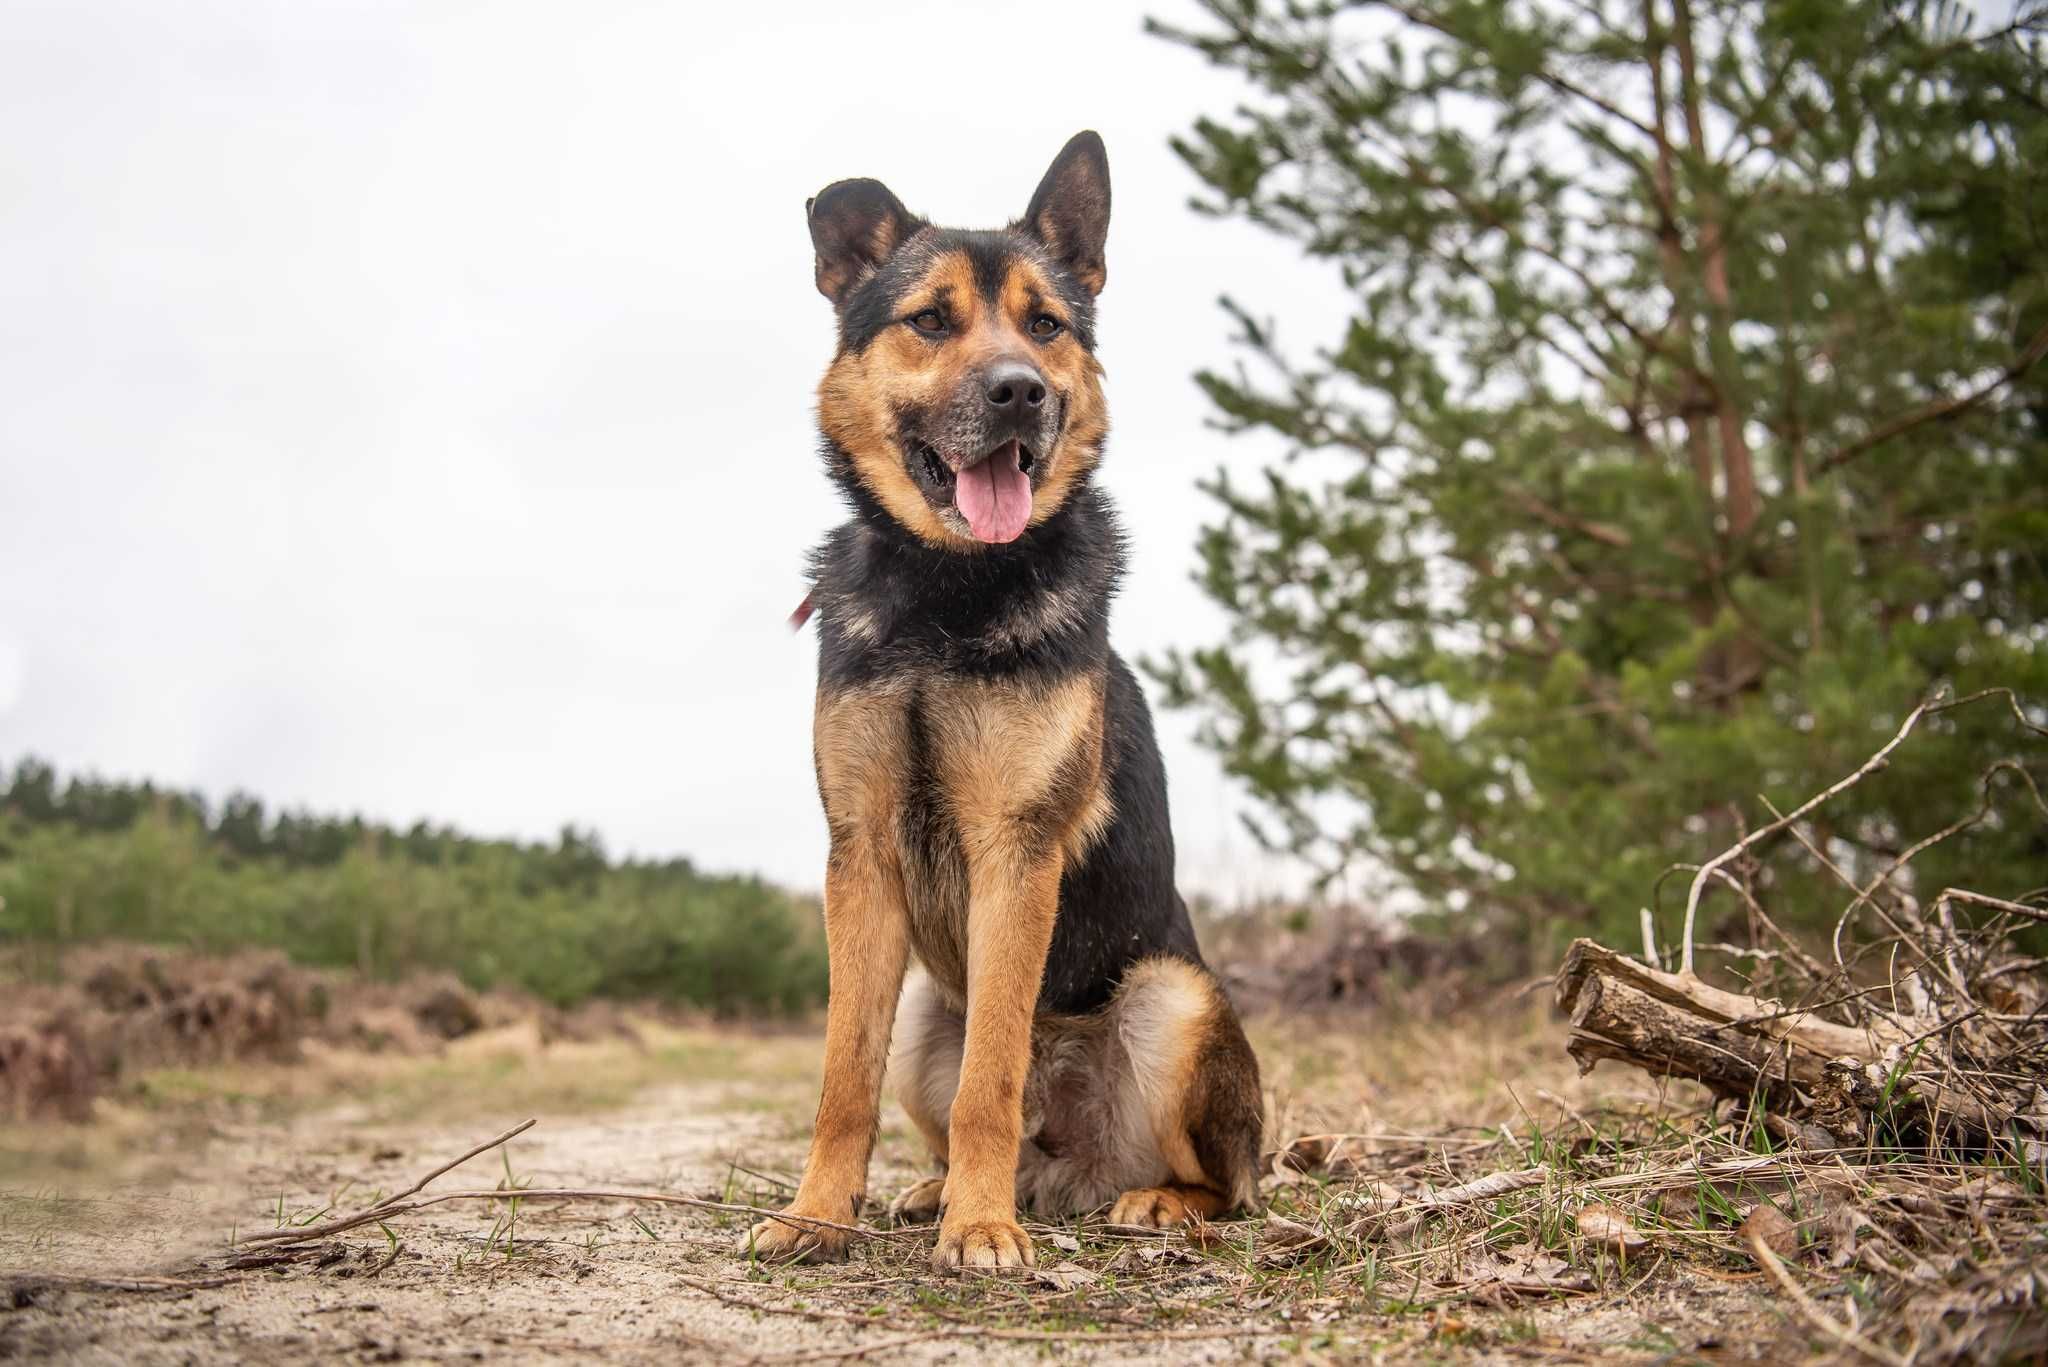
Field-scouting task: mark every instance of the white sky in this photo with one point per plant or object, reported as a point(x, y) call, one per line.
point(408, 406)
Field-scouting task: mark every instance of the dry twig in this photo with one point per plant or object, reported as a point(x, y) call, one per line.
point(402, 1204)
point(1769, 1261)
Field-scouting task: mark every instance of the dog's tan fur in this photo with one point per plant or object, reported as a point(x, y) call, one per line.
point(863, 391)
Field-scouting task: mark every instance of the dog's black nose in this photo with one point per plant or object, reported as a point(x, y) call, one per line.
point(1013, 389)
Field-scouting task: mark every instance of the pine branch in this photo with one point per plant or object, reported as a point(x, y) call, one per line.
point(1940, 409)
point(1604, 532)
point(1554, 81)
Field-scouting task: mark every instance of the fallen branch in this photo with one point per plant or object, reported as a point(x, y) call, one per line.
point(1954, 1038)
point(1978, 899)
point(1414, 1211)
point(341, 1225)
point(402, 1204)
point(521, 1128)
point(1674, 1025)
point(63, 1281)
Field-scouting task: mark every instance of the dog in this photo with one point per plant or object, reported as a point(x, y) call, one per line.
point(993, 791)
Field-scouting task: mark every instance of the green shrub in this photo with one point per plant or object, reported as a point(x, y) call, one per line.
point(84, 863)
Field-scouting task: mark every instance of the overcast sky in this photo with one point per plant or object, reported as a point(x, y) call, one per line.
point(408, 406)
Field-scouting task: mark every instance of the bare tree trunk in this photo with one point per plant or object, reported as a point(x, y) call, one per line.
point(1737, 463)
point(1697, 404)
point(1694, 403)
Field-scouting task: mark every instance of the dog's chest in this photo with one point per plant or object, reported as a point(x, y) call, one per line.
point(939, 780)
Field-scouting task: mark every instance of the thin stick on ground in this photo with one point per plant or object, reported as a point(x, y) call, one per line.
point(1811, 1312)
point(852, 1351)
point(521, 1128)
point(1407, 1216)
point(403, 1204)
point(393, 1204)
point(22, 1281)
point(341, 1225)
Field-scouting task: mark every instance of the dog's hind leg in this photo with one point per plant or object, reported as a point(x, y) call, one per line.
point(924, 1068)
point(1192, 1070)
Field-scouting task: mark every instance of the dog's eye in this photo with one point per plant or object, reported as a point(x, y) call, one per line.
point(1045, 327)
point(928, 321)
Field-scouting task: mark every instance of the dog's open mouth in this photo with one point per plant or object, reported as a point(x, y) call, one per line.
point(993, 495)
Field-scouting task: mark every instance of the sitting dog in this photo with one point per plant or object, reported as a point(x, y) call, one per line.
point(992, 788)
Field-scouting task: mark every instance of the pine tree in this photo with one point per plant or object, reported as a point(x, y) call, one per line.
point(1688, 428)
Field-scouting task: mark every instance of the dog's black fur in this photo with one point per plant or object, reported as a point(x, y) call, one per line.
point(940, 610)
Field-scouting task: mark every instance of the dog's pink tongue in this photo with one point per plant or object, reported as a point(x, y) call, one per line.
point(995, 496)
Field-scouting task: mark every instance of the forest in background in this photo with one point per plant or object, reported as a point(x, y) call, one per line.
point(84, 859)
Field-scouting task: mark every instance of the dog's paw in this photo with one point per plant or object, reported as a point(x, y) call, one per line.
point(792, 1241)
point(1151, 1208)
point(920, 1203)
point(981, 1243)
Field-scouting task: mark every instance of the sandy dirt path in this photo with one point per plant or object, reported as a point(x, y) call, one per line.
point(621, 1281)
point(582, 1277)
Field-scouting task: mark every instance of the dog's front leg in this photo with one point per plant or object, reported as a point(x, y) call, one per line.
point(1013, 899)
point(867, 940)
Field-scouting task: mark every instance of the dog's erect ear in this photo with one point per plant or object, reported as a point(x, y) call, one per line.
point(855, 224)
point(1069, 212)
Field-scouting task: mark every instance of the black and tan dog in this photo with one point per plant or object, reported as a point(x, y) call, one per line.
point(991, 784)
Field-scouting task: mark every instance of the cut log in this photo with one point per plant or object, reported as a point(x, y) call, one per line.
point(1793, 1062)
point(1611, 1019)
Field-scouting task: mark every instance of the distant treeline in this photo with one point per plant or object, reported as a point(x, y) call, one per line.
point(83, 858)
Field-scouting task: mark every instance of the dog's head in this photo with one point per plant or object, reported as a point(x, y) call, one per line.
point(965, 401)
